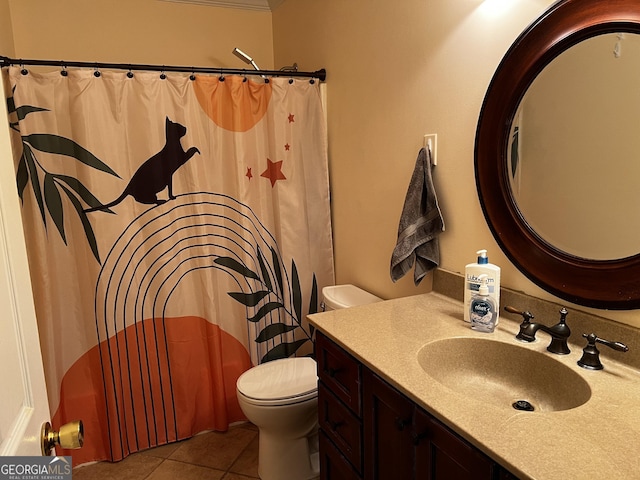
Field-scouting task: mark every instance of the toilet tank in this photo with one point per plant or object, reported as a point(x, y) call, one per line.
point(345, 296)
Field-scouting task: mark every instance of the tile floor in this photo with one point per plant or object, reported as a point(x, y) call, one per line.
point(232, 455)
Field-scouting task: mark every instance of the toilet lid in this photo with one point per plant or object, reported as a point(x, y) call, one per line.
point(283, 379)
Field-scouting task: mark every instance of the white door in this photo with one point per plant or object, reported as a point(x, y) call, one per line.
point(23, 396)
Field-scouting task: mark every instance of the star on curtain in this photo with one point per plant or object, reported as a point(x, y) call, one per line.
point(291, 118)
point(249, 175)
point(273, 172)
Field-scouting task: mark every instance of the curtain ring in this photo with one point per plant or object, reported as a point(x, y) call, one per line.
point(192, 77)
point(129, 73)
point(221, 76)
point(163, 76)
point(96, 72)
point(244, 76)
point(312, 81)
point(23, 70)
point(266, 80)
point(290, 81)
point(64, 72)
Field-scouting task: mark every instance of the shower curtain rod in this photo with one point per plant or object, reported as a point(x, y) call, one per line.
point(6, 61)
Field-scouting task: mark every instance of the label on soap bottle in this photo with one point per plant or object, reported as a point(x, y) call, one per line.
point(482, 315)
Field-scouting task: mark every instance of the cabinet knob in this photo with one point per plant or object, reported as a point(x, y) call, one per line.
point(335, 425)
point(418, 437)
point(400, 423)
point(333, 371)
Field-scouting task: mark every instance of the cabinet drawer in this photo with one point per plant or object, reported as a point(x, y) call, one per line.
point(340, 425)
point(333, 466)
point(339, 371)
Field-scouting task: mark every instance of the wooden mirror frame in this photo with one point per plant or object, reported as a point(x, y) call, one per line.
point(606, 284)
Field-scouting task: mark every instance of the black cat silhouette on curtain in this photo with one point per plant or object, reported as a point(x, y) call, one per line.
point(156, 174)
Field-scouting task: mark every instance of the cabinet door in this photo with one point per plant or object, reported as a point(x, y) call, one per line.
point(333, 465)
point(442, 455)
point(387, 424)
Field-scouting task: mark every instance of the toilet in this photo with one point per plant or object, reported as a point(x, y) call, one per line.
point(281, 399)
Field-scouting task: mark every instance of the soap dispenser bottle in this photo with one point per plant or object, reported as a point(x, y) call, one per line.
point(483, 309)
point(472, 274)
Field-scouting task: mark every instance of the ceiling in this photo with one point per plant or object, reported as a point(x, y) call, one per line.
point(265, 5)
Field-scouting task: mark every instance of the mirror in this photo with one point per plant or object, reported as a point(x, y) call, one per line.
point(574, 149)
point(531, 195)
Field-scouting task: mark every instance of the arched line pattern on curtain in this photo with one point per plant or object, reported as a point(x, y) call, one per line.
point(155, 241)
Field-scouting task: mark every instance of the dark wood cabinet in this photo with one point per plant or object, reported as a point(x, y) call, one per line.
point(333, 465)
point(340, 425)
point(339, 411)
point(371, 431)
point(388, 425)
point(440, 453)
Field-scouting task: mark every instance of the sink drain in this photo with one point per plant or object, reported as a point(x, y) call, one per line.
point(523, 405)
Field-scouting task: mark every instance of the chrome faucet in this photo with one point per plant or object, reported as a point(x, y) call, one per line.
point(560, 332)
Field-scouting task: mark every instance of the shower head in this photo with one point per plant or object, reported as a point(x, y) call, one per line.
point(245, 58)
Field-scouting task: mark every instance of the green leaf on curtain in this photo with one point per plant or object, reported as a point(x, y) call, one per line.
point(297, 294)
point(283, 350)
point(264, 310)
point(22, 176)
point(35, 180)
point(265, 272)
point(25, 110)
point(83, 191)
point(11, 105)
point(236, 266)
point(249, 299)
point(54, 204)
point(49, 143)
point(273, 330)
point(276, 268)
point(88, 230)
point(313, 303)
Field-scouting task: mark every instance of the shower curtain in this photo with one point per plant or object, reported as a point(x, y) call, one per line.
point(178, 232)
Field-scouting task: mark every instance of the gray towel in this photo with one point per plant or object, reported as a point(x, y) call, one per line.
point(420, 224)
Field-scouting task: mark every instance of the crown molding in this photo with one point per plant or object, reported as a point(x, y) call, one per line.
point(262, 5)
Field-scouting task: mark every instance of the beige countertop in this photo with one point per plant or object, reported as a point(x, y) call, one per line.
point(599, 439)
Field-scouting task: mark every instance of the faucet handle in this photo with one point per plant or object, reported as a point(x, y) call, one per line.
point(523, 335)
point(560, 335)
point(591, 355)
point(526, 315)
point(563, 315)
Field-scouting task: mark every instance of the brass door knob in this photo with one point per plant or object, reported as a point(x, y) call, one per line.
point(71, 435)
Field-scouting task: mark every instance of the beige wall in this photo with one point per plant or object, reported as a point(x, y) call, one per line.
point(140, 31)
point(6, 31)
point(396, 71)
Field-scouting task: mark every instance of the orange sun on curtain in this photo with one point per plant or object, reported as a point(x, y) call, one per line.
point(233, 103)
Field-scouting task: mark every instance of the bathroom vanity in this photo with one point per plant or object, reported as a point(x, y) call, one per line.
point(368, 429)
point(387, 411)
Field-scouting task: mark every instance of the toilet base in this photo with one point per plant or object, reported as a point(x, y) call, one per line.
point(280, 459)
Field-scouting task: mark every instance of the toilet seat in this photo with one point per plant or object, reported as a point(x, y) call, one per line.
point(280, 382)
